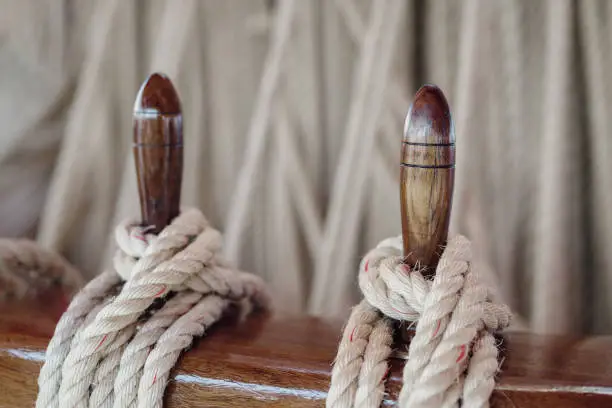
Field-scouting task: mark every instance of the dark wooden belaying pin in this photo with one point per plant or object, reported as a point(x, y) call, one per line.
point(158, 151)
point(427, 178)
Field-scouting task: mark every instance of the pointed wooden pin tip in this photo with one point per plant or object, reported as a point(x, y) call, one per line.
point(427, 178)
point(157, 95)
point(429, 118)
point(158, 151)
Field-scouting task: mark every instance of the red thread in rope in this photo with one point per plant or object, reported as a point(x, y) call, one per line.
point(352, 332)
point(462, 351)
point(101, 341)
point(160, 292)
point(398, 311)
point(437, 328)
point(154, 378)
point(367, 264)
point(384, 377)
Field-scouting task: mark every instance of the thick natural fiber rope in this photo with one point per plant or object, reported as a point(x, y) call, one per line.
point(117, 350)
point(452, 356)
point(26, 268)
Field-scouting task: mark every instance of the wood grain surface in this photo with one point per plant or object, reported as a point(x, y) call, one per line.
point(280, 362)
point(427, 178)
point(158, 151)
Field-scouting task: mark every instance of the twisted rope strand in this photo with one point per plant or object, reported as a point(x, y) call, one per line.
point(371, 385)
point(50, 375)
point(135, 354)
point(431, 374)
point(480, 379)
point(230, 283)
point(178, 337)
point(104, 378)
point(347, 367)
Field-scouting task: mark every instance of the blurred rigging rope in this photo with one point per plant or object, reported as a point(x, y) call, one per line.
point(250, 176)
point(331, 285)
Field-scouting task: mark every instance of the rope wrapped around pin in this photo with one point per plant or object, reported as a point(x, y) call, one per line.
point(124, 331)
point(452, 358)
point(117, 349)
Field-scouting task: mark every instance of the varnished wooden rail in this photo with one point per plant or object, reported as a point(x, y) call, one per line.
point(269, 361)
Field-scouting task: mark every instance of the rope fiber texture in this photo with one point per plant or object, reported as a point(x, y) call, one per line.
point(452, 358)
point(117, 342)
point(26, 269)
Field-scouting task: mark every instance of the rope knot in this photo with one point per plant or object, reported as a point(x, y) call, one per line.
point(115, 345)
point(135, 241)
point(400, 292)
point(452, 356)
point(389, 285)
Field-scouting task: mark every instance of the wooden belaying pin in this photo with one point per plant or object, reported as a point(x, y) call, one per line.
point(158, 151)
point(427, 178)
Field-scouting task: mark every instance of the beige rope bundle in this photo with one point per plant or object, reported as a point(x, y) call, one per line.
point(114, 347)
point(453, 355)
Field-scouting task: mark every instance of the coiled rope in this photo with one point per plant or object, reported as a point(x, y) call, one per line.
point(115, 345)
point(26, 268)
point(452, 358)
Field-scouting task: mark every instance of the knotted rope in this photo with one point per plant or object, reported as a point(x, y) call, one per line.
point(452, 358)
point(115, 345)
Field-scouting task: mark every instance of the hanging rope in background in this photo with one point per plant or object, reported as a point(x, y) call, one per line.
point(221, 63)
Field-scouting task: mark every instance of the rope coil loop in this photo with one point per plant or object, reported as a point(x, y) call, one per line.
point(452, 358)
point(117, 349)
point(26, 269)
